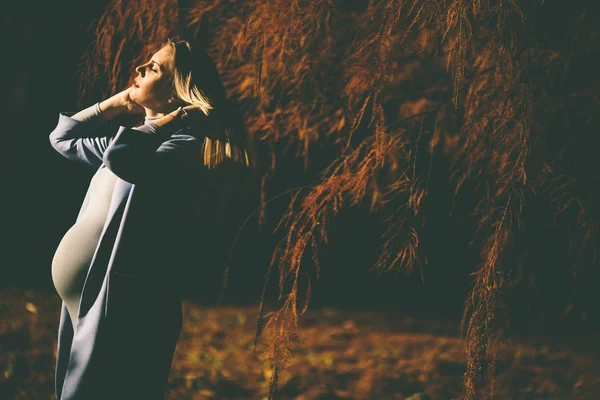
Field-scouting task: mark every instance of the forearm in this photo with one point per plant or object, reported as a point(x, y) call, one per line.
point(92, 113)
point(104, 110)
point(143, 154)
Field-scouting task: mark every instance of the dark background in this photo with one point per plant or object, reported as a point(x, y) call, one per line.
point(42, 193)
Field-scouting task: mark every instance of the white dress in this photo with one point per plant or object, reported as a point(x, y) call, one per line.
point(76, 249)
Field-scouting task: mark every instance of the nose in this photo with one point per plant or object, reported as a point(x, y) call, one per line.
point(141, 68)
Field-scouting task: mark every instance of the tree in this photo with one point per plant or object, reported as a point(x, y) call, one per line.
point(503, 92)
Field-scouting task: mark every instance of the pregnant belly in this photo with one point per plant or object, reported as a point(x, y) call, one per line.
point(75, 252)
point(72, 259)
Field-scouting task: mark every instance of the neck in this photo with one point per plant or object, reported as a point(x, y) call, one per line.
point(147, 118)
point(154, 113)
point(157, 113)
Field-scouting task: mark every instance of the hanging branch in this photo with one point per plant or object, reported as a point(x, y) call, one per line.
point(386, 87)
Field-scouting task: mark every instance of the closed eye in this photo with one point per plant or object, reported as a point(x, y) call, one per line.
point(152, 66)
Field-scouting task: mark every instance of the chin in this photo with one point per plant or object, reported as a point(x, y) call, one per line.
point(134, 97)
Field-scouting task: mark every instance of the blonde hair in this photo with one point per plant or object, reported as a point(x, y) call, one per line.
point(228, 138)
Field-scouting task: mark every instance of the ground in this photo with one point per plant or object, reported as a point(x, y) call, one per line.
point(340, 355)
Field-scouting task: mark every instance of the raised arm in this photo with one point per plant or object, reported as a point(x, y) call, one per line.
point(85, 136)
point(156, 152)
point(81, 137)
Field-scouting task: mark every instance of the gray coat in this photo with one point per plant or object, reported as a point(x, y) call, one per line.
point(129, 316)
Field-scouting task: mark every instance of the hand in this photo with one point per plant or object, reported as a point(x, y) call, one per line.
point(196, 119)
point(129, 105)
point(194, 111)
point(120, 103)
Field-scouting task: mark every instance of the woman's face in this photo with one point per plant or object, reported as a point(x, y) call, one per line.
point(151, 89)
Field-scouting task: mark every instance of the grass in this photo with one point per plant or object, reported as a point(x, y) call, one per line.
point(337, 355)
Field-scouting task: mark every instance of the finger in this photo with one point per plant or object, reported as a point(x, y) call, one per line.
point(192, 107)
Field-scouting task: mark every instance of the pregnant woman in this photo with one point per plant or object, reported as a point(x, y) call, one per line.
point(118, 268)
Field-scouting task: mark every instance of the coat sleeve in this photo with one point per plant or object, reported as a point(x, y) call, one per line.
point(80, 141)
point(140, 155)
